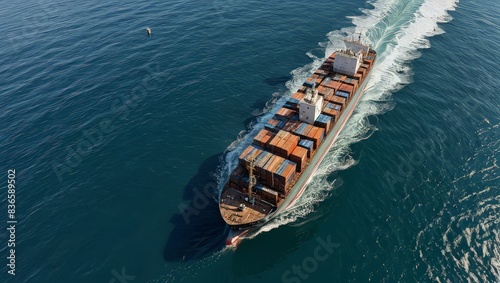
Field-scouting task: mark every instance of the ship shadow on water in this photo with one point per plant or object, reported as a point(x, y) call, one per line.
point(198, 228)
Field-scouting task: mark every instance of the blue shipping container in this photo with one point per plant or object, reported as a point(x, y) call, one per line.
point(309, 84)
point(306, 144)
point(342, 94)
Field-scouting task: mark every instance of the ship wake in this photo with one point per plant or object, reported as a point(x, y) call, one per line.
point(397, 30)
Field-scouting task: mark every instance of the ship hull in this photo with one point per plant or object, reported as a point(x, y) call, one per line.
point(237, 233)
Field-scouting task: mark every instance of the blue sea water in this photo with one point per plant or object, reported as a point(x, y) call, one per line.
point(121, 142)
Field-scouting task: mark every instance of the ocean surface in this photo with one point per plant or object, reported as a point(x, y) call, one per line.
point(121, 142)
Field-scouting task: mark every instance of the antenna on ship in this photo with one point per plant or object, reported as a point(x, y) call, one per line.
point(251, 178)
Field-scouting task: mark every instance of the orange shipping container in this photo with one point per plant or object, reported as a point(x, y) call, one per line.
point(247, 154)
point(285, 112)
point(325, 91)
point(263, 137)
point(359, 77)
point(299, 156)
point(298, 95)
point(334, 85)
point(319, 135)
point(277, 138)
point(274, 162)
point(335, 114)
point(330, 96)
point(291, 125)
point(312, 132)
point(347, 88)
point(338, 100)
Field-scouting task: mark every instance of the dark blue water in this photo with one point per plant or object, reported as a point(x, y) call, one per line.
point(120, 141)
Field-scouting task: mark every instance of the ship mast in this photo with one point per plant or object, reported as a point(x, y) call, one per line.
point(251, 178)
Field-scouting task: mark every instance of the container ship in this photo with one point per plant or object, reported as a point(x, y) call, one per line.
point(272, 172)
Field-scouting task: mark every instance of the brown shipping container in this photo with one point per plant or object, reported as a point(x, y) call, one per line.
point(286, 145)
point(291, 125)
point(299, 156)
point(339, 100)
point(245, 157)
point(262, 162)
point(321, 72)
point(347, 88)
point(289, 145)
point(362, 71)
point(273, 121)
point(285, 112)
point(324, 91)
point(263, 137)
point(306, 130)
point(282, 181)
point(298, 95)
point(312, 136)
point(268, 195)
point(312, 132)
point(319, 79)
point(271, 166)
point(334, 85)
point(354, 83)
point(329, 96)
point(267, 138)
point(326, 126)
point(319, 135)
point(332, 56)
point(312, 78)
point(276, 139)
point(335, 114)
point(264, 174)
point(246, 151)
point(359, 77)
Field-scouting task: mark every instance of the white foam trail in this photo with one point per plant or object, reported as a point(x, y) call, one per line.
point(397, 29)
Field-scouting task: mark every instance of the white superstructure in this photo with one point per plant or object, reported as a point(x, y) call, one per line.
point(310, 106)
point(347, 62)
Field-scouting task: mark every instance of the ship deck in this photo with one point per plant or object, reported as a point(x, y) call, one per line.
point(230, 203)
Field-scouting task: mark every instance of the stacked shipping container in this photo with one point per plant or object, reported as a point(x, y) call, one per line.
point(284, 146)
